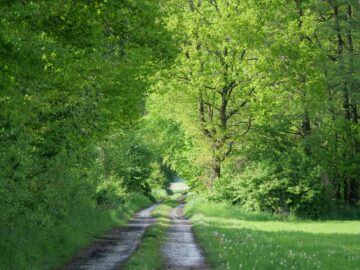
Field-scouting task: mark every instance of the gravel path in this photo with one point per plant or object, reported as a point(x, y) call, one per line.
point(110, 251)
point(181, 250)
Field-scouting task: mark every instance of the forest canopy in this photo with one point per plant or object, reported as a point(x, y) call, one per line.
point(266, 95)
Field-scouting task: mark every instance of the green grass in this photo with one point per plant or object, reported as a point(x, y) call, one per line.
point(234, 239)
point(51, 246)
point(148, 256)
point(161, 194)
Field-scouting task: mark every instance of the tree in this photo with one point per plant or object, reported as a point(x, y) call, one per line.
point(215, 70)
point(71, 74)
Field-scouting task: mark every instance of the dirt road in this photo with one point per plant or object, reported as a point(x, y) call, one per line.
point(113, 249)
point(181, 250)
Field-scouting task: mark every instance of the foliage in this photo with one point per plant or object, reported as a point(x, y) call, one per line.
point(72, 77)
point(46, 243)
point(273, 188)
point(266, 95)
point(253, 101)
point(176, 148)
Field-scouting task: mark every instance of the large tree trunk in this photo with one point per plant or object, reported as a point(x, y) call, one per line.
point(352, 86)
point(216, 171)
point(306, 124)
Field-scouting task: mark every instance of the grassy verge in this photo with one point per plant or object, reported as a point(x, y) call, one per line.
point(233, 239)
point(51, 246)
point(148, 256)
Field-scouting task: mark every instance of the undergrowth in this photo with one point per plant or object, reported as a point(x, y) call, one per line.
point(37, 247)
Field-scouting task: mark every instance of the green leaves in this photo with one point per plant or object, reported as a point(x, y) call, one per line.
point(265, 82)
point(72, 74)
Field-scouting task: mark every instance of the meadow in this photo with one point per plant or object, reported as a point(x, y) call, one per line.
point(234, 239)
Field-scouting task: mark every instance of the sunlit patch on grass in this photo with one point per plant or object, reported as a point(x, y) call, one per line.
point(236, 240)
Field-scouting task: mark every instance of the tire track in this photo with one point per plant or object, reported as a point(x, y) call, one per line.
point(181, 250)
point(112, 250)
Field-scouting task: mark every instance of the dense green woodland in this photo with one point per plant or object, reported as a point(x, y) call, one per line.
point(103, 102)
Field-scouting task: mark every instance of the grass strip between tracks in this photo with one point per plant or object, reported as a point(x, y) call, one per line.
point(149, 256)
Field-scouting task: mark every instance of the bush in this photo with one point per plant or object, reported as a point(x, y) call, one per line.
point(267, 187)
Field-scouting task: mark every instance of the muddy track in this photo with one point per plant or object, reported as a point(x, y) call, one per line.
point(113, 249)
point(180, 250)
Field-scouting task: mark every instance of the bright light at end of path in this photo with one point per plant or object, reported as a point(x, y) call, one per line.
point(179, 185)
